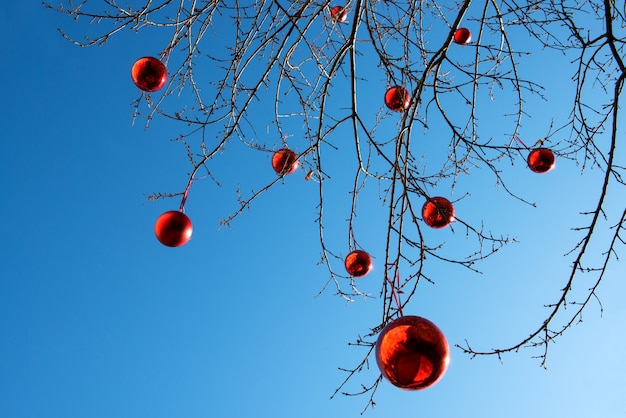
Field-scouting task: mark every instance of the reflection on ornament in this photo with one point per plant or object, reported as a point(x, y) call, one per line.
point(358, 263)
point(285, 161)
point(412, 353)
point(397, 99)
point(462, 36)
point(438, 212)
point(339, 14)
point(541, 160)
point(149, 74)
point(173, 228)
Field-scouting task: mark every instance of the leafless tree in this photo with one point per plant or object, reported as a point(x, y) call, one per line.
point(310, 75)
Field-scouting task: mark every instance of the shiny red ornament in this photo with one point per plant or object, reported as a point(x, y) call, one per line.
point(438, 212)
point(462, 36)
point(173, 228)
point(541, 160)
point(339, 14)
point(358, 263)
point(412, 353)
point(285, 161)
point(397, 99)
point(149, 74)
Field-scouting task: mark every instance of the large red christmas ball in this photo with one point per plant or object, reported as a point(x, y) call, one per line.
point(412, 353)
point(438, 212)
point(285, 161)
point(358, 263)
point(149, 74)
point(541, 160)
point(339, 14)
point(397, 99)
point(173, 228)
point(462, 36)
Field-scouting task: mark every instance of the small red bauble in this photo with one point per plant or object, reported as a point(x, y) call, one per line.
point(339, 14)
point(173, 228)
point(462, 36)
point(438, 212)
point(149, 74)
point(412, 353)
point(397, 99)
point(285, 161)
point(541, 160)
point(358, 263)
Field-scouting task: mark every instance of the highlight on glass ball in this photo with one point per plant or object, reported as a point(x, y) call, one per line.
point(173, 228)
point(149, 74)
point(339, 14)
point(358, 263)
point(397, 98)
point(462, 36)
point(541, 160)
point(438, 212)
point(412, 353)
point(285, 161)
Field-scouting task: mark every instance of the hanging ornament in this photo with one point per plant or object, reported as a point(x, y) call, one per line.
point(285, 161)
point(438, 212)
point(397, 99)
point(339, 14)
point(358, 263)
point(149, 74)
point(462, 36)
point(412, 353)
point(541, 160)
point(173, 228)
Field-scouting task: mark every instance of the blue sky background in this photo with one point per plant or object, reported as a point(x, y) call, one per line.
point(97, 319)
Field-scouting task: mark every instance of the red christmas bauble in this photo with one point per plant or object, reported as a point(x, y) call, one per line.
point(339, 14)
point(541, 160)
point(173, 228)
point(358, 263)
point(285, 161)
point(149, 74)
point(412, 353)
point(397, 99)
point(462, 36)
point(438, 212)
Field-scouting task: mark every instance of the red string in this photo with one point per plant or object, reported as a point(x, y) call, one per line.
point(185, 193)
point(520, 141)
point(394, 292)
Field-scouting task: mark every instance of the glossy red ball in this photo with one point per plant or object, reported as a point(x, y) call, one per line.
point(462, 36)
point(285, 161)
point(149, 74)
point(397, 99)
point(339, 14)
point(358, 263)
point(173, 228)
point(438, 212)
point(541, 160)
point(412, 353)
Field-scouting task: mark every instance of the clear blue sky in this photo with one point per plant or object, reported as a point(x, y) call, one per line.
point(97, 319)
